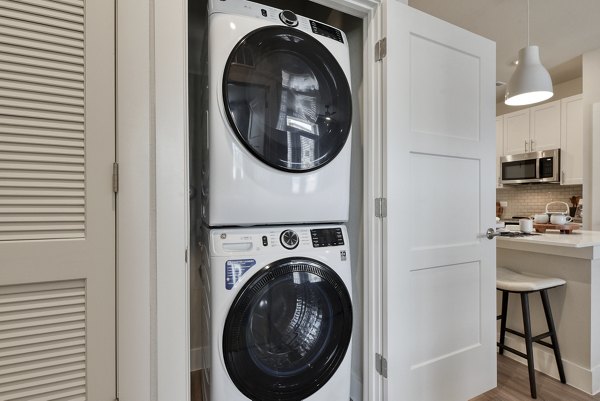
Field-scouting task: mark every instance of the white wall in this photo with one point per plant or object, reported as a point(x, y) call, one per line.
point(591, 144)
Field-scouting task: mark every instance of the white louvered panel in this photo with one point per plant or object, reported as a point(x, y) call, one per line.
point(37, 131)
point(42, 10)
point(41, 149)
point(38, 21)
point(41, 46)
point(42, 341)
point(24, 60)
point(41, 89)
point(41, 37)
point(51, 82)
point(27, 26)
point(15, 64)
point(37, 105)
point(46, 176)
point(66, 202)
point(69, 6)
point(28, 56)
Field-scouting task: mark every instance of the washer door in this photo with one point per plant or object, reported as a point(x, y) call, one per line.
point(287, 99)
point(287, 331)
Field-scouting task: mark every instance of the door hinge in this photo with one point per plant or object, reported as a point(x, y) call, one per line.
point(380, 49)
point(115, 177)
point(380, 207)
point(381, 365)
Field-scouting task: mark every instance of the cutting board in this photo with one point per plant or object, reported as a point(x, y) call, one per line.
point(563, 228)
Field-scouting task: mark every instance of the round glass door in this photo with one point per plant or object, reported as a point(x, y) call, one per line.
point(287, 331)
point(287, 99)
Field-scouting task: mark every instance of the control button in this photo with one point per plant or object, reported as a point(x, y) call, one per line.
point(289, 239)
point(288, 18)
point(263, 12)
point(265, 241)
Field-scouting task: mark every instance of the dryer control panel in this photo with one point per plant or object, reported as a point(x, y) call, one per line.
point(276, 16)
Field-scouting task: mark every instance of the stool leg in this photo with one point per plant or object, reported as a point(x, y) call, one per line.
point(528, 343)
point(503, 322)
point(552, 330)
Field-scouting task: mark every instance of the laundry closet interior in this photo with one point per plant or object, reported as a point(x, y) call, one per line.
point(215, 223)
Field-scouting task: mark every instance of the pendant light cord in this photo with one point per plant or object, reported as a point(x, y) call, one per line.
point(527, 22)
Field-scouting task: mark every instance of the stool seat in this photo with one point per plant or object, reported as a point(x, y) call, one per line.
point(508, 280)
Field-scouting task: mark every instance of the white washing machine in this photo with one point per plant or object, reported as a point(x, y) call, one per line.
point(279, 118)
point(281, 313)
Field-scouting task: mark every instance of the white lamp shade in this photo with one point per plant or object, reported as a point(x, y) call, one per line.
point(531, 82)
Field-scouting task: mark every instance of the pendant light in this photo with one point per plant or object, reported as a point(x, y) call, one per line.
point(531, 82)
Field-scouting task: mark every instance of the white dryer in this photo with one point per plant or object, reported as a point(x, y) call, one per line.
point(279, 118)
point(281, 313)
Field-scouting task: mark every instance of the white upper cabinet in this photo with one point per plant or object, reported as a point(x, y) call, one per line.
point(516, 132)
point(571, 141)
point(499, 149)
point(544, 132)
point(532, 129)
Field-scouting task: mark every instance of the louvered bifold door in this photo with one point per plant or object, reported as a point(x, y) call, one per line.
point(42, 166)
point(57, 218)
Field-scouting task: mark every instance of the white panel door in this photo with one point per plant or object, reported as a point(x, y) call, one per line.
point(57, 207)
point(439, 150)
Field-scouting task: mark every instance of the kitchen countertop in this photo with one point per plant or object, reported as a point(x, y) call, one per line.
point(580, 243)
point(577, 239)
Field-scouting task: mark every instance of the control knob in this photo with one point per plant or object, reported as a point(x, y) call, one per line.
point(289, 239)
point(288, 18)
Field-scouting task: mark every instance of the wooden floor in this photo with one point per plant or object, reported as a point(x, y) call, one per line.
point(513, 385)
point(196, 383)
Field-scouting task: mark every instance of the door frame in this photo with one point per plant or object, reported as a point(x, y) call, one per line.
point(152, 221)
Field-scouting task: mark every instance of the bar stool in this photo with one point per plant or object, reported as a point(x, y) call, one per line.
point(508, 282)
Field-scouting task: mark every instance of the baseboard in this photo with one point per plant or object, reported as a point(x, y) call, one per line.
point(596, 380)
point(577, 376)
point(198, 356)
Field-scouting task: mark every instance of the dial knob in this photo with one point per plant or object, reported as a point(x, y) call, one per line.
point(288, 18)
point(289, 239)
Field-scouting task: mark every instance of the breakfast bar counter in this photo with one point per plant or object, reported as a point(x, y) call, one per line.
point(575, 258)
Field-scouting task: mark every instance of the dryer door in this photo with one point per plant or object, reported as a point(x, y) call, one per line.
point(287, 331)
point(287, 99)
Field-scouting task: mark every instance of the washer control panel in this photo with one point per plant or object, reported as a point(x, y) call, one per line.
point(326, 30)
point(322, 237)
point(247, 243)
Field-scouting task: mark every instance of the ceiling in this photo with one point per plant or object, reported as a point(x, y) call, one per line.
point(563, 29)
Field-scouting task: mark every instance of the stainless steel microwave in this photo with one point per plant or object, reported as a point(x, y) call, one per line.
point(522, 168)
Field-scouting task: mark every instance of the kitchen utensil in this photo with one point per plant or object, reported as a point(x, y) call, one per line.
point(574, 200)
point(550, 212)
point(526, 225)
point(540, 218)
point(560, 219)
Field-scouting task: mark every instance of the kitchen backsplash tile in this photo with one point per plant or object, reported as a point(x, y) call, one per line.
point(525, 200)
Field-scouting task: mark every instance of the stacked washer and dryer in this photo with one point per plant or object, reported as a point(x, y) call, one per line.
point(274, 196)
